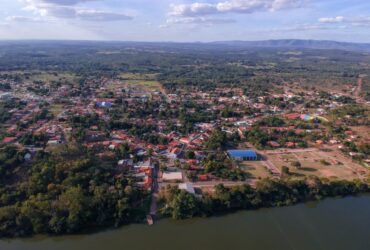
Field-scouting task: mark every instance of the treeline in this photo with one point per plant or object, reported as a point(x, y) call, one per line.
point(269, 193)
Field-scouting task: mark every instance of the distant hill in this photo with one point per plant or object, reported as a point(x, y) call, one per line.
point(295, 43)
point(283, 44)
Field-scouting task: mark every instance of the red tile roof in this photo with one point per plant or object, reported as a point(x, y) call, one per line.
point(9, 139)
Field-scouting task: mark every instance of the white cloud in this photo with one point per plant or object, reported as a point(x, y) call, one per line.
point(58, 12)
point(337, 19)
point(55, 2)
point(193, 9)
point(95, 15)
point(66, 9)
point(23, 19)
point(355, 21)
point(232, 6)
point(199, 20)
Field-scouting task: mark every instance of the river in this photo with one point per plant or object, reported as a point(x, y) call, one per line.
point(330, 224)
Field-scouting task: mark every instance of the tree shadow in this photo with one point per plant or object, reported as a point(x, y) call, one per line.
point(308, 169)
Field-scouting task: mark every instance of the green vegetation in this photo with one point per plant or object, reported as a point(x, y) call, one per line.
point(221, 166)
point(65, 191)
point(268, 193)
point(217, 141)
point(352, 115)
point(164, 100)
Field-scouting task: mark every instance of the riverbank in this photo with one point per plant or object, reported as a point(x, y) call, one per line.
point(331, 224)
point(179, 205)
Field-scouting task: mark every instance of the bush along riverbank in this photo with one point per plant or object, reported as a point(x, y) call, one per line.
point(78, 210)
point(178, 204)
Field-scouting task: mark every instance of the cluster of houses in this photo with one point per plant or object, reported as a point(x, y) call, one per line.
point(145, 156)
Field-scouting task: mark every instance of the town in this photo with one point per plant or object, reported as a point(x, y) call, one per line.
point(158, 135)
point(194, 140)
point(184, 124)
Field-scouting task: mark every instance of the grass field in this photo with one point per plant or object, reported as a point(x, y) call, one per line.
point(56, 109)
point(132, 76)
point(47, 77)
point(148, 85)
point(256, 169)
point(322, 164)
point(145, 81)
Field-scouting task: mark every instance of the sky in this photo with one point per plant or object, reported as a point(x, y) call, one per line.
point(185, 20)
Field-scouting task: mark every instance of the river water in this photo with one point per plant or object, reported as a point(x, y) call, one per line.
point(330, 224)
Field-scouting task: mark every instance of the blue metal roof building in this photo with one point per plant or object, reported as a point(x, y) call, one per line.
point(245, 155)
point(104, 104)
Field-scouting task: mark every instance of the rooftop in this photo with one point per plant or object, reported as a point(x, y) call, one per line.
point(172, 176)
point(188, 187)
point(242, 153)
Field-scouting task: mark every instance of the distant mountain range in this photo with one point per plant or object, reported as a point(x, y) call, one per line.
point(282, 43)
point(295, 43)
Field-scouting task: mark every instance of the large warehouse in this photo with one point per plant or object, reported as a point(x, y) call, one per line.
point(243, 155)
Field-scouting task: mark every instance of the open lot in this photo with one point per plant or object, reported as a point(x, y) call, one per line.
point(145, 81)
point(56, 109)
point(48, 77)
point(133, 76)
point(145, 84)
point(256, 169)
point(331, 164)
point(362, 132)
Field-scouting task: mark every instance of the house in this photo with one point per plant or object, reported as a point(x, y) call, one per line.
point(273, 144)
point(125, 164)
point(333, 141)
point(8, 140)
point(149, 164)
point(172, 176)
point(53, 142)
point(245, 155)
point(290, 144)
point(188, 187)
point(293, 116)
point(320, 142)
point(203, 177)
point(176, 151)
point(185, 140)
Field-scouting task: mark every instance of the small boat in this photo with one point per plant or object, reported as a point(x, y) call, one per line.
point(149, 220)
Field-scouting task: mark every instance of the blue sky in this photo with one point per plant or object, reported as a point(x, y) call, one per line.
point(185, 20)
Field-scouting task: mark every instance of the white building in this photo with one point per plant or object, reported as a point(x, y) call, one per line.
point(172, 176)
point(188, 187)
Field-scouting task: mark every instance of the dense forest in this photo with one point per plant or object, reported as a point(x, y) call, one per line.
point(65, 191)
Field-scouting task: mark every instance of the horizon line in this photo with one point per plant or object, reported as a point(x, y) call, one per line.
point(178, 42)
